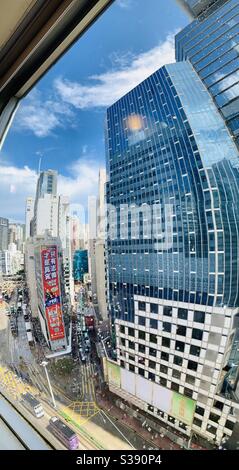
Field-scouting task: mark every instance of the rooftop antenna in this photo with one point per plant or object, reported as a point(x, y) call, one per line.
point(39, 163)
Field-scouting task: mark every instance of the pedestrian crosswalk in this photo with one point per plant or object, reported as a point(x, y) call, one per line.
point(86, 382)
point(13, 384)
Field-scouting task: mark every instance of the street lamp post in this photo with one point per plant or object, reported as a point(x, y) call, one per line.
point(189, 441)
point(103, 342)
point(44, 364)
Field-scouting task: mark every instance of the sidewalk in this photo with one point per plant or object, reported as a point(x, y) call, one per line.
point(159, 442)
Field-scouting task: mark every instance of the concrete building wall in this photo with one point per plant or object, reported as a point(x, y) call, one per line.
point(46, 217)
point(29, 213)
point(31, 277)
point(4, 225)
point(101, 278)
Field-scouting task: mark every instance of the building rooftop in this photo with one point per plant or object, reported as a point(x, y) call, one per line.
point(195, 7)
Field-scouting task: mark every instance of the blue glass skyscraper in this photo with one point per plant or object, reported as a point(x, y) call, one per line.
point(211, 44)
point(172, 250)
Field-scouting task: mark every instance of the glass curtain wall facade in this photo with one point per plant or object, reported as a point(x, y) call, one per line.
point(47, 183)
point(172, 241)
point(80, 265)
point(211, 44)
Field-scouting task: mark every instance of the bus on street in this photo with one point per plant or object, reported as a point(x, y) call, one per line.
point(64, 433)
point(32, 404)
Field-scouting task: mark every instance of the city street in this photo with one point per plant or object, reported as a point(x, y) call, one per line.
point(91, 435)
point(79, 395)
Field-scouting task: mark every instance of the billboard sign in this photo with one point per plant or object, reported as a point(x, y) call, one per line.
point(183, 408)
point(172, 403)
point(51, 289)
point(114, 373)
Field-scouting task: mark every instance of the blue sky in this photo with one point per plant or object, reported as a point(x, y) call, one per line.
point(62, 118)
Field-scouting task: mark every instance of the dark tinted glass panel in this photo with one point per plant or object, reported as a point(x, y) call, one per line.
point(153, 324)
point(142, 306)
point(152, 352)
point(167, 327)
point(168, 311)
point(178, 360)
point(195, 350)
point(199, 317)
point(192, 365)
point(183, 313)
point(153, 338)
point(141, 321)
point(141, 348)
point(153, 308)
point(164, 356)
point(179, 346)
point(166, 342)
point(197, 334)
point(141, 334)
point(181, 330)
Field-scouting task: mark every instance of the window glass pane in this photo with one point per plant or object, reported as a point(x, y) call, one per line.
point(153, 324)
point(178, 360)
point(179, 346)
point(192, 365)
point(167, 327)
point(181, 330)
point(142, 306)
point(153, 308)
point(195, 350)
point(197, 334)
point(183, 313)
point(152, 352)
point(166, 342)
point(199, 317)
point(167, 311)
point(141, 321)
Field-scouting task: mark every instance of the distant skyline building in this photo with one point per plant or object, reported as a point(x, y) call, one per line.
point(101, 285)
point(46, 216)
point(4, 233)
point(64, 232)
point(80, 265)
point(46, 183)
point(50, 224)
point(50, 290)
point(92, 217)
point(79, 233)
point(97, 260)
point(29, 213)
point(17, 235)
point(30, 273)
point(11, 260)
point(172, 251)
point(46, 204)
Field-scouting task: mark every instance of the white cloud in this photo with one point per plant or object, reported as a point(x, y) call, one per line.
point(82, 180)
point(42, 117)
point(108, 87)
point(125, 4)
point(16, 184)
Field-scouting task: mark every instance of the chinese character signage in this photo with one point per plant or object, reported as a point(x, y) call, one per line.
point(52, 292)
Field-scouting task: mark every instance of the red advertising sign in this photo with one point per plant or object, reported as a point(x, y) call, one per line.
point(52, 294)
